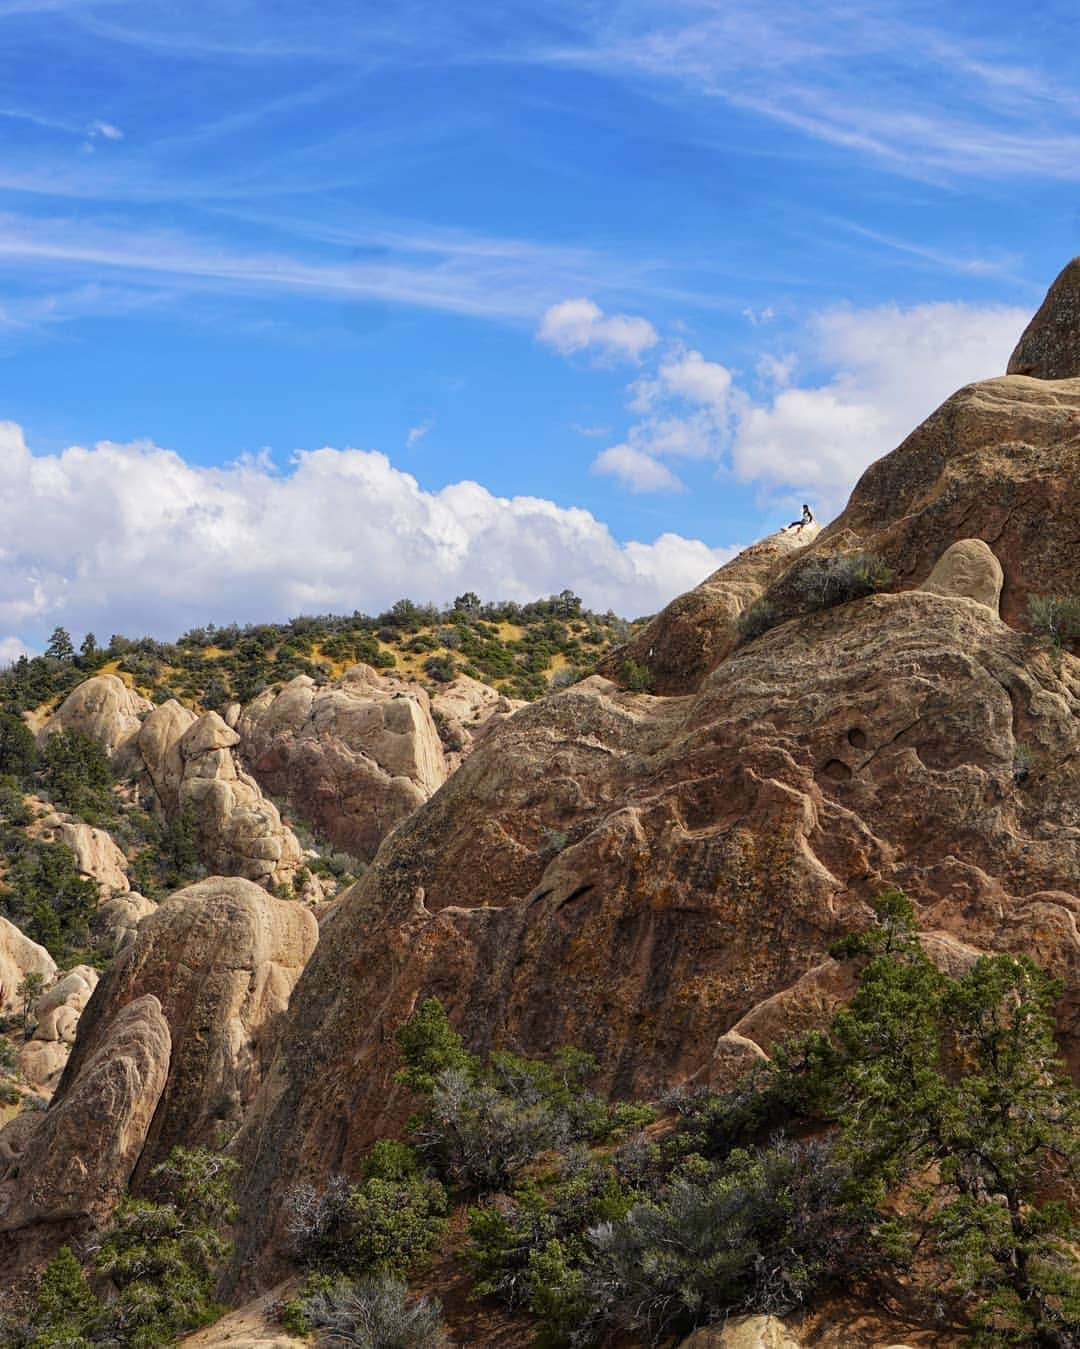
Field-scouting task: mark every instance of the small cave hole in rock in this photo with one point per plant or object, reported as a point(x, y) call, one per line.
point(837, 770)
point(857, 737)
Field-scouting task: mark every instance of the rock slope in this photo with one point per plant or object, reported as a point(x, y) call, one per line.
point(636, 874)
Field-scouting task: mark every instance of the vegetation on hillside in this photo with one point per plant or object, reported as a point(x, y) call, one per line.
point(521, 649)
point(914, 1151)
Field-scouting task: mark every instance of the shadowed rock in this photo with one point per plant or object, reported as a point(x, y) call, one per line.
point(1050, 345)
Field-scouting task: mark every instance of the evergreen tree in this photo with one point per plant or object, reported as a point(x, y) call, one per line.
point(60, 646)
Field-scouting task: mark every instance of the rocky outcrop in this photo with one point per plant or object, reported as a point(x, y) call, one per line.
point(54, 1020)
point(353, 758)
point(113, 922)
point(221, 958)
point(77, 1160)
point(192, 764)
point(1050, 345)
point(679, 647)
point(635, 874)
point(465, 711)
point(103, 708)
point(96, 854)
point(19, 956)
point(744, 1332)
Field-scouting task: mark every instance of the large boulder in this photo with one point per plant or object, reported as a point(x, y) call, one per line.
point(193, 767)
point(103, 708)
point(114, 921)
point(221, 957)
point(55, 1019)
point(635, 874)
point(74, 1166)
point(1050, 345)
point(96, 852)
point(353, 758)
point(19, 956)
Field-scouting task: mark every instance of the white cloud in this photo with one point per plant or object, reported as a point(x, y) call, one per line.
point(134, 539)
point(578, 325)
point(106, 129)
point(417, 434)
point(11, 648)
point(888, 369)
point(636, 470)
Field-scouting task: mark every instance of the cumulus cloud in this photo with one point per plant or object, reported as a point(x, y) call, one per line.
point(874, 374)
point(134, 539)
point(579, 325)
point(11, 648)
point(635, 469)
point(887, 369)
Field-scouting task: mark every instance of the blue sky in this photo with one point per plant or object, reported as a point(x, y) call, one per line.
point(561, 294)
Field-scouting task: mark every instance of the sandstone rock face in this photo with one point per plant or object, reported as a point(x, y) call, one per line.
point(103, 708)
point(744, 1332)
point(78, 1159)
point(19, 956)
point(1050, 345)
point(96, 855)
point(998, 461)
point(469, 711)
point(969, 570)
point(114, 922)
point(698, 630)
point(221, 958)
point(55, 1018)
point(640, 875)
point(192, 764)
point(354, 758)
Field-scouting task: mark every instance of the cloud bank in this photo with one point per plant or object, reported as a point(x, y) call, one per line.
point(134, 539)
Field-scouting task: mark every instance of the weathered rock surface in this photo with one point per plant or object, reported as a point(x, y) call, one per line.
point(221, 957)
point(96, 854)
point(192, 764)
point(698, 630)
point(19, 956)
point(744, 1332)
point(103, 708)
point(968, 569)
point(78, 1158)
point(354, 758)
point(114, 922)
point(1050, 345)
point(636, 874)
point(469, 711)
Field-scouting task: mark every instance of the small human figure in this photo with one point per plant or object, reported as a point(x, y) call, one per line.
point(807, 519)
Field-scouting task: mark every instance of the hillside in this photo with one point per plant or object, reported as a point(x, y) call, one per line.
point(715, 998)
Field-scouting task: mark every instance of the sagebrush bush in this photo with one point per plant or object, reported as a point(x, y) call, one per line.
point(1057, 618)
point(840, 577)
point(758, 618)
point(366, 1314)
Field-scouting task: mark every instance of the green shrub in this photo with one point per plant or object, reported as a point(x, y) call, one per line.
point(758, 618)
point(368, 1314)
point(1056, 618)
point(634, 677)
point(429, 1045)
point(77, 773)
point(825, 581)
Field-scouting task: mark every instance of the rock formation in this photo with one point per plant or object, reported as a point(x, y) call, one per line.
point(193, 768)
point(54, 1019)
point(1050, 345)
point(645, 875)
point(114, 922)
point(75, 1164)
point(698, 630)
point(19, 956)
point(353, 758)
point(221, 958)
point(96, 854)
point(103, 708)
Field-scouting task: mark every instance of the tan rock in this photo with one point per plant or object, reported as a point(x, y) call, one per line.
point(192, 765)
point(698, 630)
point(969, 570)
point(56, 1013)
point(1050, 345)
point(103, 708)
point(42, 1063)
point(353, 758)
point(744, 1332)
point(96, 854)
point(114, 922)
point(78, 1159)
point(19, 956)
point(221, 957)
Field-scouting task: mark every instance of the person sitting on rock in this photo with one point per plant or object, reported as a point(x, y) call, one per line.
point(807, 519)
